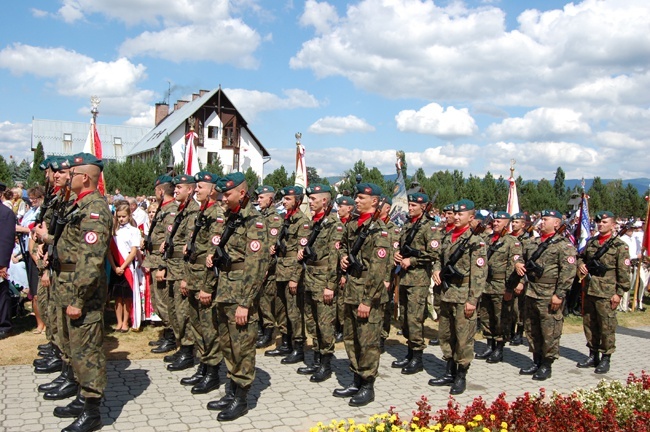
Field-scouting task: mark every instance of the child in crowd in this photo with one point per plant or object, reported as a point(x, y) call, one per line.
point(124, 248)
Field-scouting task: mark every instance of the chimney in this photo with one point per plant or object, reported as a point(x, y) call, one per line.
point(162, 111)
point(179, 104)
point(202, 92)
point(195, 96)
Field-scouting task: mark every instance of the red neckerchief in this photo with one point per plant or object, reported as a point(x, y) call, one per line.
point(57, 189)
point(344, 220)
point(210, 204)
point(457, 232)
point(495, 237)
point(164, 203)
point(543, 237)
point(516, 233)
point(603, 238)
point(318, 216)
point(81, 195)
point(364, 217)
point(449, 228)
point(290, 213)
point(414, 219)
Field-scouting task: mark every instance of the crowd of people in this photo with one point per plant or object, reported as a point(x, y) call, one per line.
point(224, 271)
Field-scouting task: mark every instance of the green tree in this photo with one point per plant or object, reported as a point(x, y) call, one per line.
point(5, 172)
point(473, 190)
point(251, 178)
point(546, 198)
point(21, 172)
point(489, 192)
point(132, 177)
point(36, 176)
point(312, 176)
point(502, 188)
point(278, 178)
point(633, 203)
point(166, 155)
point(560, 190)
point(214, 166)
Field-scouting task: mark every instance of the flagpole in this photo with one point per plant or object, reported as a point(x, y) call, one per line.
point(96, 145)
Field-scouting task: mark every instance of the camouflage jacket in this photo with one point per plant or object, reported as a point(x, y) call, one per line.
point(154, 259)
point(174, 262)
point(506, 252)
point(248, 245)
point(287, 267)
point(427, 243)
point(472, 264)
point(197, 275)
point(617, 261)
point(321, 272)
point(84, 243)
point(393, 235)
point(559, 264)
point(274, 225)
point(374, 255)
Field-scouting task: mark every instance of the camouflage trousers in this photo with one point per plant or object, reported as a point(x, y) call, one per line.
point(205, 330)
point(82, 341)
point(238, 343)
point(437, 300)
point(518, 309)
point(599, 323)
point(340, 308)
point(389, 310)
point(160, 300)
point(543, 327)
point(361, 338)
point(456, 333)
point(413, 308)
point(268, 303)
point(319, 319)
point(47, 307)
point(295, 307)
point(180, 314)
point(280, 309)
point(496, 316)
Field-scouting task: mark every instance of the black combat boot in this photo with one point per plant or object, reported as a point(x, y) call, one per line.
point(398, 364)
point(497, 354)
point(324, 371)
point(66, 389)
point(491, 345)
point(366, 393)
point(169, 344)
point(308, 370)
point(157, 342)
point(73, 409)
point(49, 364)
point(603, 365)
point(282, 350)
point(184, 361)
point(460, 382)
point(49, 352)
point(237, 407)
point(45, 346)
point(197, 377)
point(90, 418)
point(171, 358)
point(518, 338)
point(382, 345)
point(591, 361)
point(448, 377)
point(209, 382)
point(544, 371)
point(434, 342)
point(350, 390)
point(66, 373)
point(415, 365)
point(297, 355)
point(537, 362)
point(266, 339)
point(222, 403)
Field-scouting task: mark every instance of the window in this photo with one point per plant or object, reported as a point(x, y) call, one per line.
point(213, 132)
point(117, 145)
point(67, 143)
point(117, 141)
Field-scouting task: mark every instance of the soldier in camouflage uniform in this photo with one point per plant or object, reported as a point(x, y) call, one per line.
point(270, 306)
point(344, 212)
point(365, 293)
point(389, 309)
point(460, 296)
point(321, 282)
point(603, 291)
point(81, 289)
point(520, 225)
point(289, 276)
point(177, 232)
point(545, 294)
point(415, 260)
point(199, 283)
point(504, 251)
point(237, 295)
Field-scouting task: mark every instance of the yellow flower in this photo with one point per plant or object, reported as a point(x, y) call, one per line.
point(504, 425)
point(459, 428)
point(362, 428)
point(449, 427)
point(493, 417)
point(472, 424)
point(314, 429)
point(486, 429)
point(393, 418)
point(381, 427)
point(478, 417)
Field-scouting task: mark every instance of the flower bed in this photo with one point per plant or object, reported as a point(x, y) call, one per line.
point(610, 406)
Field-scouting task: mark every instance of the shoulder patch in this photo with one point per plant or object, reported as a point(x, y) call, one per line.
point(304, 241)
point(384, 234)
point(480, 262)
point(339, 228)
point(571, 260)
point(381, 253)
point(481, 244)
point(306, 226)
point(396, 230)
point(94, 215)
point(216, 240)
point(337, 245)
point(255, 245)
point(515, 258)
point(259, 225)
point(276, 218)
point(91, 237)
point(274, 231)
point(219, 220)
point(627, 261)
point(169, 228)
point(435, 244)
point(517, 243)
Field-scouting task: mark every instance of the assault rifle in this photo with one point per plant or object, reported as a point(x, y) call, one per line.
point(529, 230)
point(148, 244)
point(532, 268)
point(168, 248)
point(190, 251)
point(308, 253)
point(220, 257)
point(47, 201)
point(450, 272)
point(594, 265)
point(494, 246)
point(58, 223)
point(354, 265)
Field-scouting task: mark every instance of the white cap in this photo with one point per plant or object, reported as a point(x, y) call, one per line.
point(638, 224)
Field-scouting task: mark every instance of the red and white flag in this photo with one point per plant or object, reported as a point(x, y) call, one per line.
point(513, 199)
point(191, 159)
point(94, 146)
point(646, 228)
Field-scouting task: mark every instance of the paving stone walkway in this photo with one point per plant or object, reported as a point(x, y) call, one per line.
point(143, 396)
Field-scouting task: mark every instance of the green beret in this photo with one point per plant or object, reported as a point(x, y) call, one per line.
point(345, 200)
point(387, 199)
point(162, 180)
point(47, 163)
point(183, 179)
point(552, 213)
point(231, 181)
point(369, 189)
point(264, 189)
point(80, 159)
point(418, 197)
point(479, 215)
point(522, 216)
point(318, 188)
point(58, 163)
point(501, 215)
point(206, 176)
point(292, 191)
point(463, 205)
point(603, 214)
point(448, 207)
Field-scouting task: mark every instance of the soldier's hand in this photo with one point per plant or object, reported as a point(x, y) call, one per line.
point(615, 301)
point(160, 275)
point(3, 272)
point(183, 287)
point(272, 249)
point(519, 289)
point(436, 277)
point(556, 302)
point(583, 269)
point(363, 311)
point(520, 268)
point(293, 287)
point(342, 281)
point(161, 249)
point(469, 310)
point(397, 258)
point(73, 312)
point(39, 252)
point(344, 263)
point(406, 263)
point(301, 253)
point(208, 261)
point(45, 279)
point(241, 316)
point(328, 295)
point(205, 298)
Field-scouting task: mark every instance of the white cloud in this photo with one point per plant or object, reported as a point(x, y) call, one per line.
point(77, 75)
point(540, 124)
point(252, 102)
point(15, 141)
point(38, 13)
point(340, 125)
point(321, 16)
point(433, 119)
point(145, 118)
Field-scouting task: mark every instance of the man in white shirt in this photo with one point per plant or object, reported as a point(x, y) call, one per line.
point(634, 239)
point(139, 214)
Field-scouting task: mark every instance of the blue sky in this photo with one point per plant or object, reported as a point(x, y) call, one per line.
point(457, 85)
